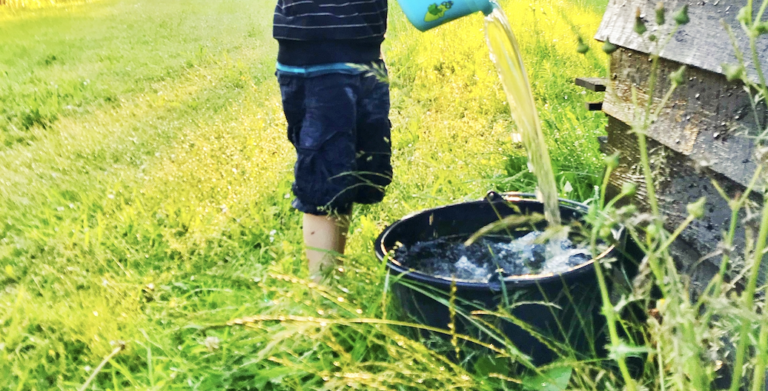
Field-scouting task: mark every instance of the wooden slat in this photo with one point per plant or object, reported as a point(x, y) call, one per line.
point(703, 42)
point(592, 83)
point(677, 184)
point(594, 106)
point(707, 119)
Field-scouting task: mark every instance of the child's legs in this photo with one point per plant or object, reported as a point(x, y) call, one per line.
point(321, 114)
point(374, 145)
point(324, 237)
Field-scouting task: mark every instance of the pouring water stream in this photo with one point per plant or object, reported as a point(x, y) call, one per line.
point(505, 55)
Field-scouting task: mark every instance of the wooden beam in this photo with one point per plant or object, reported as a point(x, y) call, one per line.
point(592, 83)
point(594, 106)
point(707, 119)
point(702, 43)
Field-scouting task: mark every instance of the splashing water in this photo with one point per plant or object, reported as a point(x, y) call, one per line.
point(491, 258)
point(505, 54)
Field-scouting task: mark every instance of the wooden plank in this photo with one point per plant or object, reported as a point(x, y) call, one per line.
point(594, 106)
point(707, 119)
point(703, 42)
point(596, 84)
point(677, 184)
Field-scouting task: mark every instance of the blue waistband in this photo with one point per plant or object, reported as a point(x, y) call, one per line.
point(314, 70)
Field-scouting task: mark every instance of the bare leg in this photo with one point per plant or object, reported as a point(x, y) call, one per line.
point(324, 237)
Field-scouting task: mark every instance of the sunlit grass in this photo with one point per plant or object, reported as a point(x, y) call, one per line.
point(32, 4)
point(145, 192)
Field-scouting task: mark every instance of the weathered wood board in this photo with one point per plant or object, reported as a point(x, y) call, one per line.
point(596, 84)
point(703, 43)
point(707, 119)
point(677, 183)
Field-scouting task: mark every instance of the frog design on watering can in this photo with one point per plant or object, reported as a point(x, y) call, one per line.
point(443, 12)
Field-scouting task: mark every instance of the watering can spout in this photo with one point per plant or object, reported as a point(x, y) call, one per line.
point(428, 14)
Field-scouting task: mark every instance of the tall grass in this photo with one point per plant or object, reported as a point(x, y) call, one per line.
point(145, 195)
point(689, 341)
point(32, 4)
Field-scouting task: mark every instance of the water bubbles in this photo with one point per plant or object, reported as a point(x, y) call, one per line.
point(488, 257)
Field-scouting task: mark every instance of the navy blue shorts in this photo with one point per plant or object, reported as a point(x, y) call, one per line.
point(339, 125)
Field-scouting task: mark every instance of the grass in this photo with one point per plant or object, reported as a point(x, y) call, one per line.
point(145, 180)
point(37, 4)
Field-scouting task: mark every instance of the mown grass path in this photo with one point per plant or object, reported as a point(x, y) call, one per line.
point(144, 192)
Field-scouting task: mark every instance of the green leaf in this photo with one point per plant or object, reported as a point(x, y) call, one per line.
point(554, 379)
point(272, 375)
point(487, 365)
point(626, 350)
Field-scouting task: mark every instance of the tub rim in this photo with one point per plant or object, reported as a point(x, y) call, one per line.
point(509, 282)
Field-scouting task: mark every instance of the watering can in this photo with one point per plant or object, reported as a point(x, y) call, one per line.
point(427, 14)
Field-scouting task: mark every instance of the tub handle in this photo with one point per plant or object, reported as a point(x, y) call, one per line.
point(516, 196)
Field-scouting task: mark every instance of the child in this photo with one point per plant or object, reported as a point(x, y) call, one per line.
point(337, 114)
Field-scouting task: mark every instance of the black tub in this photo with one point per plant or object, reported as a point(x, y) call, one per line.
point(571, 316)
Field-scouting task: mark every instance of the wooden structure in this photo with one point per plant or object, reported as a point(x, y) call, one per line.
point(706, 130)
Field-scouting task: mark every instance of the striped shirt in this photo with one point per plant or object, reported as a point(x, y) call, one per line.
point(329, 31)
point(314, 20)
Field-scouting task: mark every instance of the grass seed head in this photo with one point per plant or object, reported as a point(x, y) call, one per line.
point(733, 72)
point(612, 161)
point(582, 48)
point(681, 17)
point(629, 189)
point(640, 28)
point(696, 209)
point(676, 77)
point(745, 16)
point(608, 47)
point(660, 13)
